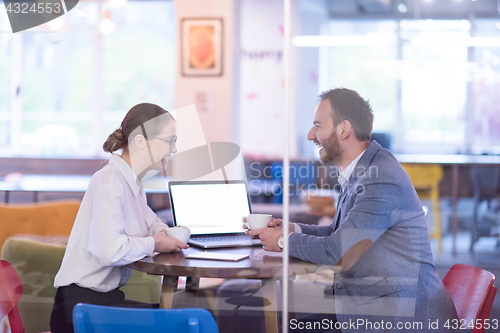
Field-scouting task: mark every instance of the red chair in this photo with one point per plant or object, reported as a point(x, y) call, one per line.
point(11, 291)
point(473, 292)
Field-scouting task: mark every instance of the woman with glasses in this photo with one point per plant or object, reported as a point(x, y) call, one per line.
point(114, 226)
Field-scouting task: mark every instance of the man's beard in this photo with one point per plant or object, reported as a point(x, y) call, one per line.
point(332, 152)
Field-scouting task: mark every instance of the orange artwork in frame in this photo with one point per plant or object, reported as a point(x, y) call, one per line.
point(201, 53)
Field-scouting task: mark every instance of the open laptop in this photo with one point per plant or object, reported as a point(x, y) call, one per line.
point(213, 210)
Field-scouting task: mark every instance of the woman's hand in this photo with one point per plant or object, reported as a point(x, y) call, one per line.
point(165, 244)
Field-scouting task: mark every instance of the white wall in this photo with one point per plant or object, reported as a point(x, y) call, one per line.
point(313, 19)
point(217, 120)
point(219, 114)
point(262, 80)
point(247, 102)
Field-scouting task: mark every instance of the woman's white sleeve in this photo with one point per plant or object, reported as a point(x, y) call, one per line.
point(112, 240)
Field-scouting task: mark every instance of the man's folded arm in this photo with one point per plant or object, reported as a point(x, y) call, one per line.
point(371, 215)
point(316, 230)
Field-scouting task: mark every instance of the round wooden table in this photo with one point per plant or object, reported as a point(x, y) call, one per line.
point(263, 265)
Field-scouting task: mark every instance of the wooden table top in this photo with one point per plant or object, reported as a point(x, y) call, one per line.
point(261, 264)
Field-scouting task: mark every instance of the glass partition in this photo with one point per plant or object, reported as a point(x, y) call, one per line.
point(5, 86)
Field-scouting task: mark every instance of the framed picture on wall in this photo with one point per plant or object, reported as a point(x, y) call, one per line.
point(201, 49)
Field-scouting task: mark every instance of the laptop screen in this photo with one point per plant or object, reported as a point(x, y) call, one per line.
point(209, 207)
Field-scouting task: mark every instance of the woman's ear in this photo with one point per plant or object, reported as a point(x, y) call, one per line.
point(139, 141)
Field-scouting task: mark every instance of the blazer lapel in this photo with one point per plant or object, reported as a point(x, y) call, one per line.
point(336, 219)
point(363, 164)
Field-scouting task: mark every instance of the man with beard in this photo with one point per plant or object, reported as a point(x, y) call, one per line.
point(385, 279)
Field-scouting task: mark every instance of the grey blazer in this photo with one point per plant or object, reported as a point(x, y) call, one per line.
point(394, 284)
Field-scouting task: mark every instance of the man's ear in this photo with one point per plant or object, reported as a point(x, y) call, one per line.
point(345, 129)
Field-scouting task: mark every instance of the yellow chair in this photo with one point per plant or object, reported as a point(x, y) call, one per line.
point(49, 218)
point(426, 179)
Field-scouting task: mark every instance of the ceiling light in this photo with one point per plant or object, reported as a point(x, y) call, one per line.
point(56, 24)
point(117, 3)
point(465, 25)
point(457, 41)
point(106, 26)
point(325, 41)
point(429, 24)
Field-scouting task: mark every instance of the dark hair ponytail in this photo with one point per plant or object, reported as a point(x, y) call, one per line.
point(114, 141)
point(136, 116)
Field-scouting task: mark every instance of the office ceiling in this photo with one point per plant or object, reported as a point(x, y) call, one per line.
point(414, 8)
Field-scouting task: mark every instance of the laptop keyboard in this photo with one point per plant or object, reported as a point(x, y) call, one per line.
point(222, 239)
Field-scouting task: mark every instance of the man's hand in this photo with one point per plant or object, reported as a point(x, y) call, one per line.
point(164, 243)
point(272, 224)
point(268, 236)
point(279, 223)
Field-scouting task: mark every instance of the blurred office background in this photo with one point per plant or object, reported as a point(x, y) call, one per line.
point(430, 69)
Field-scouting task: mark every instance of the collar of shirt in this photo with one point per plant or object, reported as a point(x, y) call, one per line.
point(127, 173)
point(346, 173)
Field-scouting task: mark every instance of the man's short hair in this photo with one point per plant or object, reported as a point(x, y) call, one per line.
point(349, 105)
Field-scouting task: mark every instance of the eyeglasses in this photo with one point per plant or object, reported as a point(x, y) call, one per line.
point(172, 141)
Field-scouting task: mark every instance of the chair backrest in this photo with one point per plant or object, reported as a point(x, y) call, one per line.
point(11, 291)
point(485, 181)
point(472, 291)
point(42, 219)
point(424, 176)
point(37, 261)
point(106, 319)
point(300, 172)
point(485, 310)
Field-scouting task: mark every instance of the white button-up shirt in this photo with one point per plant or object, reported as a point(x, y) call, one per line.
point(346, 173)
point(113, 228)
point(342, 179)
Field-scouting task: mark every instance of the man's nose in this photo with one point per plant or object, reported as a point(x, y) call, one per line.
point(312, 134)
